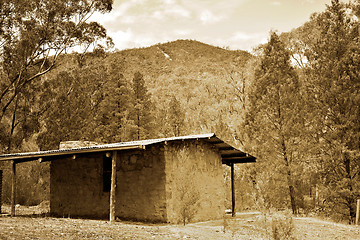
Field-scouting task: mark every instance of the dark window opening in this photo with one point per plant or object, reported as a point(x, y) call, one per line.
point(107, 161)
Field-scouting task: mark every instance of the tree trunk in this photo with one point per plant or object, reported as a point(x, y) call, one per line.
point(13, 188)
point(289, 179)
point(9, 147)
point(350, 200)
point(233, 213)
point(292, 195)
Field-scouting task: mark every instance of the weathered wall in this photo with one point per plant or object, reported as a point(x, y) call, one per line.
point(194, 182)
point(0, 189)
point(76, 187)
point(163, 183)
point(141, 185)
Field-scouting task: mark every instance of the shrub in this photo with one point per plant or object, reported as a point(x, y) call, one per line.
point(282, 227)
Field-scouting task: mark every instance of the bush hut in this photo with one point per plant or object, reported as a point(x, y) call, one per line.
point(167, 180)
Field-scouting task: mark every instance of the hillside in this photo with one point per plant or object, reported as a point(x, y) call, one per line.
point(192, 57)
point(198, 75)
point(91, 97)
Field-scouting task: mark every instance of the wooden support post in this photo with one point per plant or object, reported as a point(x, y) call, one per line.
point(0, 189)
point(113, 187)
point(13, 188)
point(357, 212)
point(232, 191)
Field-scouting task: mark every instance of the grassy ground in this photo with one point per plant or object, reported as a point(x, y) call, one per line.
point(244, 226)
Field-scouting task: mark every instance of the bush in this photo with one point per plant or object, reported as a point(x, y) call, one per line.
point(282, 227)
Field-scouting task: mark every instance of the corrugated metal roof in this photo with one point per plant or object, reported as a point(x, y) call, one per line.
point(228, 152)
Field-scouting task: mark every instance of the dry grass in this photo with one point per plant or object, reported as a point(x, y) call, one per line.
point(244, 226)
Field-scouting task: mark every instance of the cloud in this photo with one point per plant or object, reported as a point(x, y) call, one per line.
point(182, 32)
point(138, 23)
point(128, 19)
point(244, 36)
point(207, 17)
point(122, 39)
point(119, 13)
point(178, 11)
point(276, 3)
point(130, 38)
point(169, 2)
point(245, 41)
point(173, 12)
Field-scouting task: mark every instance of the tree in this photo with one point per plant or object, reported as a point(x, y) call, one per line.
point(24, 118)
point(75, 103)
point(114, 123)
point(141, 114)
point(33, 34)
point(176, 117)
point(333, 96)
point(273, 117)
point(67, 110)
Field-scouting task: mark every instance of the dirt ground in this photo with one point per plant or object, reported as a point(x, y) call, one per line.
point(33, 224)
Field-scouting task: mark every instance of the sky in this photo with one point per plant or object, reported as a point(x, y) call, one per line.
point(236, 24)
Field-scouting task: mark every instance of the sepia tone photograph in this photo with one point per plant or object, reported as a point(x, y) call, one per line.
point(180, 119)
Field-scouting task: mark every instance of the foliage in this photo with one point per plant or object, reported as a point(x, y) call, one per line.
point(274, 118)
point(333, 103)
point(175, 117)
point(113, 122)
point(67, 105)
point(142, 108)
point(295, 106)
point(33, 34)
point(92, 102)
point(321, 132)
point(282, 227)
point(32, 182)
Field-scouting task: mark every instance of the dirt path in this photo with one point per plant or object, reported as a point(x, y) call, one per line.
point(63, 228)
point(245, 226)
point(312, 228)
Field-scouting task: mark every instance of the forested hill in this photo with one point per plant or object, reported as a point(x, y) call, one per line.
point(295, 106)
point(185, 59)
point(185, 87)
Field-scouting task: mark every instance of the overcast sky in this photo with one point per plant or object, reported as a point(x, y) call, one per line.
point(238, 24)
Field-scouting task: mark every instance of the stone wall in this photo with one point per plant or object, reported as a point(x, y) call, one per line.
point(141, 185)
point(77, 186)
point(194, 182)
point(0, 189)
point(165, 183)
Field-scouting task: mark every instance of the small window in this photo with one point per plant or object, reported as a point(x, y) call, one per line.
point(107, 161)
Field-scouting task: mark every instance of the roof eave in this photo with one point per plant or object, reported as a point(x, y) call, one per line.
point(248, 159)
point(31, 157)
point(230, 154)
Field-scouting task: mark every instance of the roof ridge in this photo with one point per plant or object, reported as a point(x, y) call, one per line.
point(139, 143)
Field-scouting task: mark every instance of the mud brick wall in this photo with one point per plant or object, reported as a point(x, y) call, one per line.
point(76, 187)
point(152, 185)
point(0, 189)
point(141, 185)
point(194, 182)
